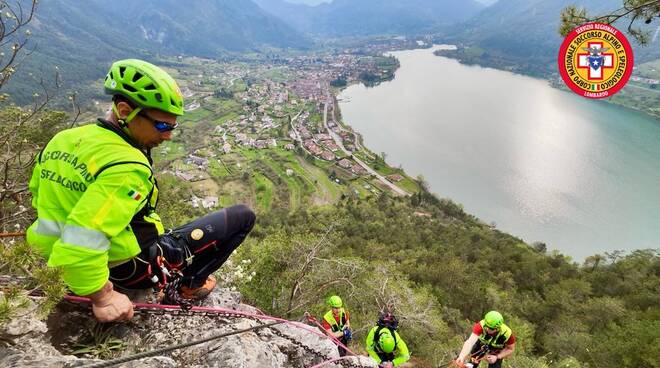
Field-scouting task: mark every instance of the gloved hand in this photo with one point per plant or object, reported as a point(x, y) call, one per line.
point(347, 333)
point(491, 358)
point(458, 363)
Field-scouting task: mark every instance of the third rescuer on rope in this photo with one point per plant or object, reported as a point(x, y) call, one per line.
point(386, 347)
point(95, 194)
point(491, 340)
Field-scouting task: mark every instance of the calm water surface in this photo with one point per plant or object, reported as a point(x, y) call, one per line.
point(545, 165)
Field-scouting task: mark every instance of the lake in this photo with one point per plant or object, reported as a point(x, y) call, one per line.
point(543, 164)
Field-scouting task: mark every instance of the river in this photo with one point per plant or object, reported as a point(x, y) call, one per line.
point(543, 164)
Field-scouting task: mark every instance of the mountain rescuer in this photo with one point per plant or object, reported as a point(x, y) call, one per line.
point(384, 344)
point(337, 322)
point(491, 340)
point(95, 194)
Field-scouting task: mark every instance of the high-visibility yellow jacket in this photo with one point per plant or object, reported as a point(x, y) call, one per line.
point(95, 197)
point(330, 319)
point(497, 341)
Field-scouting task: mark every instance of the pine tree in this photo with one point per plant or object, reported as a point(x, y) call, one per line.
point(632, 11)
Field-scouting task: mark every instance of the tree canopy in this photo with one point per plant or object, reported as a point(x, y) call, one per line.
point(634, 12)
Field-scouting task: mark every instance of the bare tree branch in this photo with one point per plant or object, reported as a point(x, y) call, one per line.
point(306, 265)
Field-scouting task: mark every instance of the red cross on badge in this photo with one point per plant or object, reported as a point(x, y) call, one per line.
point(595, 70)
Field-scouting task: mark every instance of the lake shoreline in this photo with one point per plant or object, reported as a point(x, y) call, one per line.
point(553, 80)
point(348, 119)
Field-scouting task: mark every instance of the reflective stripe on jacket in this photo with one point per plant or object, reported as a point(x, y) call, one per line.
point(87, 186)
point(495, 341)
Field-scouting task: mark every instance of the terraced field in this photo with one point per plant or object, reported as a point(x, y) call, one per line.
point(265, 179)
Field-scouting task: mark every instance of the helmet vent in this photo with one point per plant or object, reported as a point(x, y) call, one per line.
point(173, 102)
point(129, 88)
point(150, 87)
point(142, 97)
point(122, 71)
point(136, 77)
point(159, 97)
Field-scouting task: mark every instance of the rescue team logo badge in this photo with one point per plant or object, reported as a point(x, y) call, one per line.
point(595, 60)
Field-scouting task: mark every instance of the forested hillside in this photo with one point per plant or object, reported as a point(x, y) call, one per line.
point(522, 35)
point(441, 269)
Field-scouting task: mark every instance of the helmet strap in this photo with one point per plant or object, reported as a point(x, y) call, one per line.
point(123, 123)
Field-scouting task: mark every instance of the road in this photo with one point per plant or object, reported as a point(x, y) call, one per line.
point(371, 171)
point(356, 138)
point(293, 127)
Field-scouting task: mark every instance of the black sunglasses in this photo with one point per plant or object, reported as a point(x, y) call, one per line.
point(161, 126)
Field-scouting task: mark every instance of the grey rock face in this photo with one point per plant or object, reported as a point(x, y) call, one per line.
point(35, 343)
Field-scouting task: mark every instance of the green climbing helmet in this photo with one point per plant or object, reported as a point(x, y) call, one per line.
point(145, 84)
point(386, 341)
point(493, 320)
point(335, 301)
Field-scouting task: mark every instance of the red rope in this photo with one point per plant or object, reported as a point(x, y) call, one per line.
point(313, 319)
point(330, 361)
point(12, 235)
point(79, 299)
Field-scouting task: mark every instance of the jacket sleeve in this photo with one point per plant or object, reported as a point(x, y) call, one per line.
point(104, 210)
point(402, 353)
point(370, 346)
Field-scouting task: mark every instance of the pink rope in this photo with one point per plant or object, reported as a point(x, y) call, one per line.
point(330, 361)
point(332, 337)
point(303, 326)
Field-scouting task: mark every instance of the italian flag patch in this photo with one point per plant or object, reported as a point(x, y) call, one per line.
point(134, 194)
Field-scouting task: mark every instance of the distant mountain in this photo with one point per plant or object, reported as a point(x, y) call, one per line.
point(527, 30)
point(368, 17)
point(487, 2)
point(82, 38)
point(201, 27)
point(304, 18)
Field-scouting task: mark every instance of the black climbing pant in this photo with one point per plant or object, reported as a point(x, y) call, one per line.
point(197, 249)
point(342, 351)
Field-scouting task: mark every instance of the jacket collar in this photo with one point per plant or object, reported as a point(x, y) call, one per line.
point(103, 123)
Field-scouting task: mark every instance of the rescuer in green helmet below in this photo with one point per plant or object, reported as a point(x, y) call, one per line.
point(95, 194)
point(384, 345)
point(337, 322)
point(491, 340)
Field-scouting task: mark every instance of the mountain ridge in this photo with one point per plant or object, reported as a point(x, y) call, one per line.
point(527, 30)
point(369, 17)
point(85, 39)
